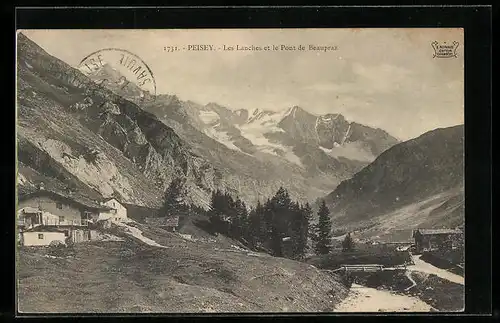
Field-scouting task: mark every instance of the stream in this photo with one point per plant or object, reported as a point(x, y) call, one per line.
point(366, 299)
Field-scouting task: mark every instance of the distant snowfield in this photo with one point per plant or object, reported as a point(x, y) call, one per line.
point(350, 150)
point(222, 137)
point(256, 137)
point(258, 124)
point(262, 122)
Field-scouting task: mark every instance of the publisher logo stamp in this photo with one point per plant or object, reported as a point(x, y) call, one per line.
point(445, 49)
point(122, 72)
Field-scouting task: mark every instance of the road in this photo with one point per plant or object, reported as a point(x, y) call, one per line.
point(365, 299)
point(422, 266)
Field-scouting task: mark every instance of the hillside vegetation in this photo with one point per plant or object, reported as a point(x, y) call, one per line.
point(185, 276)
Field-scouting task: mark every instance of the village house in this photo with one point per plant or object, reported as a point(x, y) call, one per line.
point(41, 236)
point(437, 239)
point(44, 235)
point(117, 211)
point(46, 216)
point(55, 208)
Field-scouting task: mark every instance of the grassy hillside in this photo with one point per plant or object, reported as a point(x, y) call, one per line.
point(186, 276)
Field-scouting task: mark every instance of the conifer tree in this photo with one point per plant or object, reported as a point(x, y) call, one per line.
point(303, 218)
point(216, 211)
point(279, 209)
point(173, 203)
point(348, 243)
point(323, 232)
point(307, 214)
point(276, 241)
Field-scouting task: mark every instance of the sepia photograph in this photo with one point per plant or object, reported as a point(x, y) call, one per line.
point(240, 170)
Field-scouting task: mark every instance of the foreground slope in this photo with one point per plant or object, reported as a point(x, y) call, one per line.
point(184, 276)
point(419, 182)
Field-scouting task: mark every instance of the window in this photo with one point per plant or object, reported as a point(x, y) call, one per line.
point(61, 218)
point(59, 205)
point(40, 236)
point(66, 233)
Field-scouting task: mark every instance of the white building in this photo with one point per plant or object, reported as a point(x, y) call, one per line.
point(117, 213)
point(42, 236)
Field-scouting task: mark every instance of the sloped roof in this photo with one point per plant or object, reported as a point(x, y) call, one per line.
point(74, 198)
point(45, 228)
point(30, 210)
point(111, 198)
point(438, 231)
point(54, 228)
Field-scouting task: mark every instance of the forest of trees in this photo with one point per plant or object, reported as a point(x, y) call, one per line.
point(279, 225)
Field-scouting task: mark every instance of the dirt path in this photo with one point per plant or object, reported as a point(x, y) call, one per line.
point(135, 232)
point(365, 299)
point(426, 267)
point(408, 274)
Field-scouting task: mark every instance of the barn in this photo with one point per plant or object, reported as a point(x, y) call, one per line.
point(436, 239)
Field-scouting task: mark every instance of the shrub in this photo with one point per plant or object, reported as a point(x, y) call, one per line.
point(59, 249)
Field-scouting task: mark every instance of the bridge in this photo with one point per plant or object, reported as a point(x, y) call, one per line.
point(358, 268)
point(362, 268)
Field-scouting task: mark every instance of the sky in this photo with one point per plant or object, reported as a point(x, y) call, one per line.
point(384, 78)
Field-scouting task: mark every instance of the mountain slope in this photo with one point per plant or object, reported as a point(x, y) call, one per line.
point(107, 142)
point(422, 174)
point(69, 125)
point(253, 177)
point(116, 143)
point(265, 150)
point(272, 131)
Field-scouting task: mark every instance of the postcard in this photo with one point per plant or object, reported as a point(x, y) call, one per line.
point(240, 170)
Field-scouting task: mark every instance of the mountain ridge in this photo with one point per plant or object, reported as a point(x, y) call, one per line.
point(152, 141)
point(427, 168)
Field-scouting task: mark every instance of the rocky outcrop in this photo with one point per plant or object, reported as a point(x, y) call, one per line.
point(79, 116)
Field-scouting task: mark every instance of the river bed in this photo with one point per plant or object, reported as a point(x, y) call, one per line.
point(366, 299)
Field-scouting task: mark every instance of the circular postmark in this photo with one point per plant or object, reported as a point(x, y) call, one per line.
point(122, 72)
